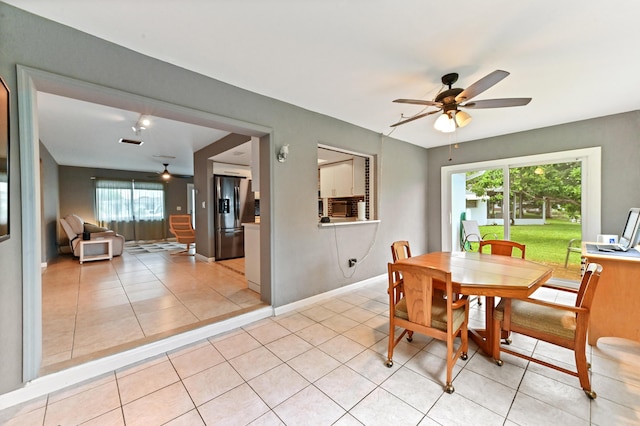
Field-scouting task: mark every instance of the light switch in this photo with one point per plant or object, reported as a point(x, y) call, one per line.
point(204, 204)
point(179, 208)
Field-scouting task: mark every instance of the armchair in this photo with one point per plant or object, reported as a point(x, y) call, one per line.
point(180, 226)
point(74, 226)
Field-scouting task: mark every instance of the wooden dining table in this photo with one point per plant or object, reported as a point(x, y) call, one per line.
point(486, 275)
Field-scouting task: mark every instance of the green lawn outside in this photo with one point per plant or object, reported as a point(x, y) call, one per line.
point(545, 243)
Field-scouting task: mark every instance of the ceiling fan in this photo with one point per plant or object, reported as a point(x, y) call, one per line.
point(165, 175)
point(450, 100)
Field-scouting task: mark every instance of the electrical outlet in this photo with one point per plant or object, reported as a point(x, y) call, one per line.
point(352, 262)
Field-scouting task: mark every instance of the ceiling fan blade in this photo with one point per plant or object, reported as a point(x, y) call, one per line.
point(481, 85)
point(418, 102)
point(414, 118)
point(497, 103)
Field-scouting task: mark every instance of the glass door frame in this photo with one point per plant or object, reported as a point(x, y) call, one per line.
point(591, 190)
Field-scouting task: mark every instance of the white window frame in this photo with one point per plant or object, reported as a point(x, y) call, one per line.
point(590, 159)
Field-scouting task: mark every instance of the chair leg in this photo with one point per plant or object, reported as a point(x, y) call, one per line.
point(583, 371)
point(392, 330)
point(448, 387)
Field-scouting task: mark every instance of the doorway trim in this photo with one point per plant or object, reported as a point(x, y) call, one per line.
point(30, 81)
point(591, 187)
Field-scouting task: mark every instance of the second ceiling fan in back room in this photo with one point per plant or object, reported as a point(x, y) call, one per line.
point(450, 101)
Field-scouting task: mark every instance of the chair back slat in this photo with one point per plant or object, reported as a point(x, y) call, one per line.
point(418, 291)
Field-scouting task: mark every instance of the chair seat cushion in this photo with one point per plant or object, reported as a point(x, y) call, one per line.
point(541, 318)
point(438, 313)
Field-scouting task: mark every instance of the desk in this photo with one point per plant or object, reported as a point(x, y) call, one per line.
point(615, 306)
point(487, 275)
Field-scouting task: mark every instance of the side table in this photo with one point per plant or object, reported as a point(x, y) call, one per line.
point(86, 258)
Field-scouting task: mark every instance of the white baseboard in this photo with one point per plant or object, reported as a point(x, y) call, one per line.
point(324, 296)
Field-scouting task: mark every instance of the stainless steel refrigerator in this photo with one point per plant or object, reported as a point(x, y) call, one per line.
point(234, 205)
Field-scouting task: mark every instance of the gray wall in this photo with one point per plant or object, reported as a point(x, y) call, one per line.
point(49, 197)
point(303, 260)
point(77, 193)
point(618, 135)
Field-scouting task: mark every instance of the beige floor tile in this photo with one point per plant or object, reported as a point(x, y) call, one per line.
point(316, 334)
point(236, 344)
point(483, 391)
point(341, 348)
point(381, 407)
point(278, 384)
point(255, 362)
point(212, 382)
point(159, 407)
point(155, 304)
point(197, 360)
point(339, 323)
point(456, 409)
point(528, 411)
point(192, 418)
point(146, 381)
point(224, 409)
point(83, 406)
point(268, 332)
point(364, 335)
point(289, 347)
point(313, 364)
point(165, 320)
point(371, 365)
point(557, 394)
point(107, 334)
point(345, 386)
point(34, 417)
point(294, 322)
point(112, 418)
point(310, 407)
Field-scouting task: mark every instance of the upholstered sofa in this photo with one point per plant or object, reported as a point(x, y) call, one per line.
point(74, 226)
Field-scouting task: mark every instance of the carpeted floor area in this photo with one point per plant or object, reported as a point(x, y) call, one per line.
point(154, 247)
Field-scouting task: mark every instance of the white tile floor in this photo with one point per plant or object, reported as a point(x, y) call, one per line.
point(324, 365)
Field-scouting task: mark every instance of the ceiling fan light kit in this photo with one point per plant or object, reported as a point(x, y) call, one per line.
point(165, 174)
point(448, 101)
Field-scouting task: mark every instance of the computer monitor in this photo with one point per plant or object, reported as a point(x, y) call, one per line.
point(630, 234)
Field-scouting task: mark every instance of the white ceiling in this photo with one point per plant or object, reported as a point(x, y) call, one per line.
point(350, 59)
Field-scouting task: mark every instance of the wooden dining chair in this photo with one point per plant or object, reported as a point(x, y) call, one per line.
point(400, 250)
point(180, 226)
point(416, 310)
point(554, 323)
point(502, 247)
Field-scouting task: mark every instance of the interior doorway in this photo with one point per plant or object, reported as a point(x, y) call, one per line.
point(29, 82)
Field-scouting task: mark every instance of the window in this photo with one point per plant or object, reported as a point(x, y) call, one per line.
point(345, 185)
point(128, 201)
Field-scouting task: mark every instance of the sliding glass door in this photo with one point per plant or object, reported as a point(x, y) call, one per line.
point(549, 204)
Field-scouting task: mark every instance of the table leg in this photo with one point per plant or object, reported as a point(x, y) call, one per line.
point(484, 337)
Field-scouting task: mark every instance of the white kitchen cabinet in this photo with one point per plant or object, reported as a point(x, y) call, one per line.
point(343, 179)
point(252, 255)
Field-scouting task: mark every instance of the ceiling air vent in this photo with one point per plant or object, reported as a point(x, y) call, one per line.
point(130, 141)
